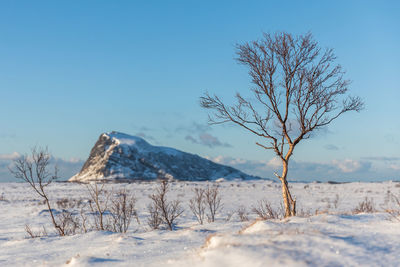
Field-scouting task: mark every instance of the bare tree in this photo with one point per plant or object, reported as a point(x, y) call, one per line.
point(197, 204)
point(168, 211)
point(33, 169)
point(213, 202)
point(298, 89)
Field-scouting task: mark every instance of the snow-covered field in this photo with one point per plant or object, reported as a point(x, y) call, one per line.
point(333, 237)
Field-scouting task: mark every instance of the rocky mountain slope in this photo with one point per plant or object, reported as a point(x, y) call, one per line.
point(121, 157)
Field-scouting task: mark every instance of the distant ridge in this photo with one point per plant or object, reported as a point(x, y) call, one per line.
point(120, 157)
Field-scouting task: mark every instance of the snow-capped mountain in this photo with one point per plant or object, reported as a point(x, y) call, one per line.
point(118, 156)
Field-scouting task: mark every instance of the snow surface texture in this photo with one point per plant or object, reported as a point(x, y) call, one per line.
point(118, 156)
point(334, 237)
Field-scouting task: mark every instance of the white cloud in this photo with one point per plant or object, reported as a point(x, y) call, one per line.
point(339, 170)
point(275, 162)
point(384, 159)
point(11, 156)
point(71, 160)
point(347, 165)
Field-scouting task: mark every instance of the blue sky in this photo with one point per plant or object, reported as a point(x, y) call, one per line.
point(70, 70)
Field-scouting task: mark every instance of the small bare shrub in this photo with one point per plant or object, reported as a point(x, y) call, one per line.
point(3, 198)
point(229, 216)
point(84, 220)
point(265, 211)
point(366, 206)
point(336, 201)
point(396, 200)
point(98, 204)
point(33, 234)
point(327, 201)
point(122, 211)
point(154, 219)
point(68, 203)
point(68, 222)
point(197, 204)
point(213, 202)
point(62, 203)
point(168, 211)
point(303, 213)
point(243, 214)
point(388, 198)
point(393, 211)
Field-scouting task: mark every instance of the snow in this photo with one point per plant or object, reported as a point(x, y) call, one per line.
point(323, 240)
point(140, 144)
point(333, 237)
point(125, 139)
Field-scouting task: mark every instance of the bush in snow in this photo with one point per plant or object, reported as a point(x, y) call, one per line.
point(33, 234)
point(111, 212)
point(154, 219)
point(68, 222)
point(367, 206)
point(98, 203)
point(213, 202)
point(265, 211)
point(122, 210)
point(243, 214)
point(197, 204)
point(163, 210)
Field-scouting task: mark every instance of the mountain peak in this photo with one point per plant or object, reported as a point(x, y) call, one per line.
point(126, 139)
point(120, 156)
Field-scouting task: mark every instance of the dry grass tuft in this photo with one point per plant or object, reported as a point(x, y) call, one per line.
point(365, 206)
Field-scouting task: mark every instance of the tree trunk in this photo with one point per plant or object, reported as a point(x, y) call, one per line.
point(289, 203)
point(58, 228)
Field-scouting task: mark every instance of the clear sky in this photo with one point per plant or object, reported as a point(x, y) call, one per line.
point(70, 70)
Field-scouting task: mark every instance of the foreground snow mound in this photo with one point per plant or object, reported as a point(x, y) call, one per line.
point(334, 239)
point(323, 240)
point(118, 156)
